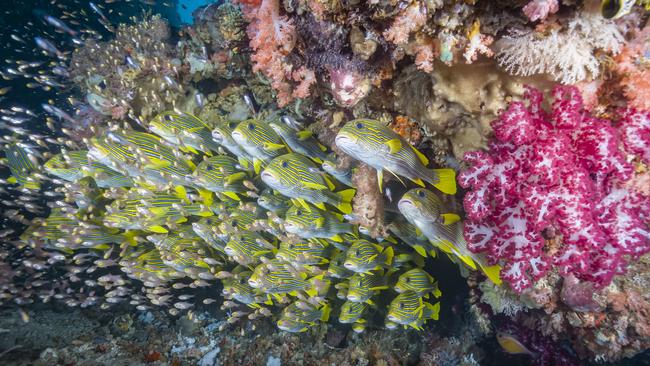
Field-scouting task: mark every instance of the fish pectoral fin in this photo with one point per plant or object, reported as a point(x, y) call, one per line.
point(270, 146)
point(380, 180)
point(329, 183)
point(321, 146)
point(12, 180)
point(394, 145)
point(418, 181)
point(155, 163)
point(304, 135)
point(158, 229)
point(398, 177)
point(337, 238)
point(420, 250)
point(257, 165)
point(191, 149)
point(232, 178)
point(158, 211)
point(231, 195)
point(304, 204)
point(450, 218)
point(320, 205)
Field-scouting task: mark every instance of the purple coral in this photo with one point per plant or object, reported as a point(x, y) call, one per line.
point(556, 173)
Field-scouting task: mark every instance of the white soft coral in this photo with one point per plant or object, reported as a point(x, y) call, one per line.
point(567, 55)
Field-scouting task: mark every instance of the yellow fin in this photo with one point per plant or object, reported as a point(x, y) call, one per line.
point(389, 253)
point(420, 250)
point(329, 182)
point(320, 205)
point(347, 194)
point(191, 149)
point(158, 211)
point(12, 180)
point(320, 222)
point(435, 310)
point(231, 195)
point(395, 145)
point(370, 302)
point(158, 229)
point(190, 164)
point(418, 181)
point(232, 178)
point(380, 180)
point(243, 162)
point(325, 313)
point(257, 165)
point(304, 204)
point(181, 220)
point(272, 146)
point(446, 180)
point(206, 196)
point(450, 218)
point(314, 185)
point(181, 193)
point(155, 163)
point(304, 135)
point(420, 156)
point(337, 238)
point(493, 273)
point(322, 147)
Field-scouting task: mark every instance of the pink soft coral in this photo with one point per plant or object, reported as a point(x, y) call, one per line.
point(272, 37)
point(555, 173)
point(410, 20)
point(540, 9)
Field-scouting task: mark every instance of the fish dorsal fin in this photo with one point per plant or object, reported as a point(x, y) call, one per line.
point(270, 146)
point(313, 185)
point(329, 182)
point(231, 195)
point(394, 145)
point(420, 156)
point(420, 250)
point(304, 135)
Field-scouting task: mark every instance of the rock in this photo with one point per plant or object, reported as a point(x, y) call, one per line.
point(578, 295)
point(210, 358)
point(273, 361)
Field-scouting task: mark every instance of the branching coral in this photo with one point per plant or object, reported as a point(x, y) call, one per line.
point(552, 174)
point(566, 55)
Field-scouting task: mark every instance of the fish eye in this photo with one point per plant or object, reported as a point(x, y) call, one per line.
point(291, 246)
point(401, 305)
point(209, 167)
point(357, 252)
point(251, 126)
point(408, 280)
point(242, 280)
point(234, 223)
point(421, 193)
point(285, 164)
point(232, 124)
point(298, 212)
point(359, 125)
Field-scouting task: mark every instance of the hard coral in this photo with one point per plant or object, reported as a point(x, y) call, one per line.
point(556, 173)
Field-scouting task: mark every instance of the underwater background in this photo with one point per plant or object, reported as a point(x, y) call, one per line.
point(303, 182)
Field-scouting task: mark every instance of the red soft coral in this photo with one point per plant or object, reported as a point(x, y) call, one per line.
point(272, 37)
point(557, 173)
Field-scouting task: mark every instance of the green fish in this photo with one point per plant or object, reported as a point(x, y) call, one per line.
point(412, 236)
point(159, 163)
point(352, 312)
point(364, 256)
point(342, 175)
point(361, 287)
point(422, 208)
point(301, 142)
point(380, 147)
point(408, 309)
point(259, 140)
point(207, 229)
point(276, 277)
point(273, 202)
point(23, 164)
point(300, 315)
point(418, 281)
point(303, 253)
point(293, 176)
point(247, 247)
point(220, 174)
point(74, 165)
point(184, 130)
point(222, 135)
point(336, 268)
point(236, 287)
point(315, 223)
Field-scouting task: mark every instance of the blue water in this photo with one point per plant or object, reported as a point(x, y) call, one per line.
point(184, 8)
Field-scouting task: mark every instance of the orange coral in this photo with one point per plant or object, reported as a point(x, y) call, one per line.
point(407, 128)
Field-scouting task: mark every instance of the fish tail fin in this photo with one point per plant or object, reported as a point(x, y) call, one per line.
point(444, 180)
point(492, 272)
point(325, 313)
point(346, 197)
point(435, 310)
point(389, 253)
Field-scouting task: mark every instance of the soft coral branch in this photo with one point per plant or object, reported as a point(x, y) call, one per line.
point(558, 172)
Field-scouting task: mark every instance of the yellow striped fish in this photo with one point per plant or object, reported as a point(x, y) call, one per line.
point(364, 256)
point(361, 287)
point(247, 247)
point(302, 142)
point(408, 309)
point(315, 223)
point(259, 140)
point(188, 132)
point(21, 160)
point(220, 174)
point(380, 147)
point(418, 281)
point(294, 176)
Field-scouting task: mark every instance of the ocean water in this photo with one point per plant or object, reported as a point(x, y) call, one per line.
point(68, 303)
